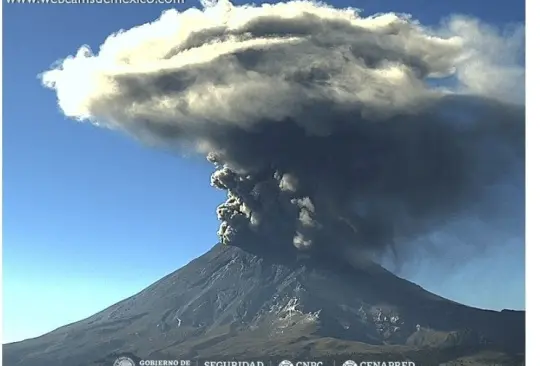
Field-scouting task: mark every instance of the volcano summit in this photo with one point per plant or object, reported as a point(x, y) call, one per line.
point(229, 304)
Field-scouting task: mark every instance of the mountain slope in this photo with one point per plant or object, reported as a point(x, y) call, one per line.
point(230, 302)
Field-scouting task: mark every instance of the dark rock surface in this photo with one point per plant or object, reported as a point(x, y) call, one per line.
point(232, 303)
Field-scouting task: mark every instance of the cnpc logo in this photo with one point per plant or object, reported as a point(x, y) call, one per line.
point(301, 363)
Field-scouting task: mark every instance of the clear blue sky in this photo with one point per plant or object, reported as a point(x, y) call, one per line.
point(91, 217)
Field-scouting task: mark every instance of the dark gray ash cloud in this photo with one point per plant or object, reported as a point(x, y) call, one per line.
point(329, 131)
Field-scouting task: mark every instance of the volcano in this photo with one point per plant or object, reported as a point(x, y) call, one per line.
point(232, 303)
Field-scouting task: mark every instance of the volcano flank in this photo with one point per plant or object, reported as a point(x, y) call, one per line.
point(230, 303)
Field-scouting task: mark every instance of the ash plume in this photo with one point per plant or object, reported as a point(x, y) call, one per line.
point(330, 132)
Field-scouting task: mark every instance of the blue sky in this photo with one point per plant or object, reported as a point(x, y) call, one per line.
point(92, 217)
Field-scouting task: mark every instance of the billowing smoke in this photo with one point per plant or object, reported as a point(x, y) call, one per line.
point(329, 131)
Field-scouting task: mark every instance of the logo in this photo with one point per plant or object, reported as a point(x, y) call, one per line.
point(124, 361)
point(349, 363)
point(301, 363)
